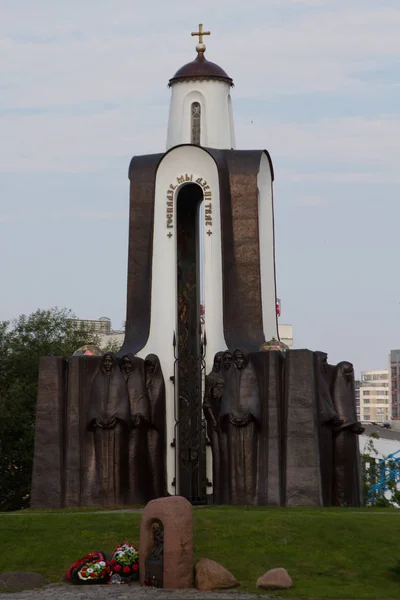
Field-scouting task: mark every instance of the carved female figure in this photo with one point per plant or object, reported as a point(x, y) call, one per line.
point(211, 407)
point(346, 455)
point(214, 375)
point(156, 433)
point(139, 484)
point(327, 420)
point(226, 362)
point(239, 416)
point(327, 412)
point(109, 420)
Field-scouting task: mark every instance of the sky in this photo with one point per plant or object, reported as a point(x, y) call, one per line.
point(83, 88)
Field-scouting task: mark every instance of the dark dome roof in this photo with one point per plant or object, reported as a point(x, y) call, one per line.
point(200, 68)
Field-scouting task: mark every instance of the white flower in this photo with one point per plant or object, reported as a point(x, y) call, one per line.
point(102, 563)
point(90, 570)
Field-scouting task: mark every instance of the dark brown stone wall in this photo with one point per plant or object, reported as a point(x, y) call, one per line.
point(303, 477)
point(81, 373)
point(48, 461)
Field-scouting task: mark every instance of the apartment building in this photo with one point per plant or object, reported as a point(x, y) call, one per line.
point(375, 401)
point(357, 391)
point(394, 380)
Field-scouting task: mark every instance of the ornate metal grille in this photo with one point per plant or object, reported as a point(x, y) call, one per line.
point(190, 353)
point(196, 123)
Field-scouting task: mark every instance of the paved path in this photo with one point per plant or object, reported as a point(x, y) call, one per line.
point(120, 592)
point(73, 512)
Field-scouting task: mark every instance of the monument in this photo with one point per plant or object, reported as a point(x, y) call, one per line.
point(218, 411)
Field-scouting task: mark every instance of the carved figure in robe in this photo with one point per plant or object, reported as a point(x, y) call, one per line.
point(346, 454)
point(158, 541)
point(211, 406)
point(107, 472)
point(224, 493)
point(214, 375)
point(227, 359)
point(327, 412)
point(344, 398)
point(327, 420)
point(139, 482)
point(156, 435)
point(239, 416)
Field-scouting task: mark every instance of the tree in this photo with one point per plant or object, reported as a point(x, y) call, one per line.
point(380, 477)
point(22, 342)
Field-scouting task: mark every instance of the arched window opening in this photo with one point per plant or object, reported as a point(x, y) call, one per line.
point(196, 123)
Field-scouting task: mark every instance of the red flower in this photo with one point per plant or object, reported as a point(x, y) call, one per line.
point(113, 561)
point(117, 568)
point(135, 567)
point(127, 570)
point(92, 575)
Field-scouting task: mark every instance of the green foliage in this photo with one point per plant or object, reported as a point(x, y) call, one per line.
point(329, 553)
point(22, 343)
point(111, 346)
point(371, 473)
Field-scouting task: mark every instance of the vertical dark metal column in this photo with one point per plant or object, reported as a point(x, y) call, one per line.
point(191, 431)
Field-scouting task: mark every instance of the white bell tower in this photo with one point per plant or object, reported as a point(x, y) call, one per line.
point(201, 108)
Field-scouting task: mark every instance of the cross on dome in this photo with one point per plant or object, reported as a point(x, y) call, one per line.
point(200, 46)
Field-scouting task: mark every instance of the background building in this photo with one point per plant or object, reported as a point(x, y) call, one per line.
point(102, 327)
point(357, 391)
point(374, 397)
point(286, 334)
point(394, 380)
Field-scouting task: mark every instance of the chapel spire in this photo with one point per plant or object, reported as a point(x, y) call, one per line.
point(201, 108)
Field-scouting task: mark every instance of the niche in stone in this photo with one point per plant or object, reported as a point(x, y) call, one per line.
point(155, 562)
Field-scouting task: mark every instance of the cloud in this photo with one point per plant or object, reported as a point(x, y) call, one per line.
point(84, 87)
point(87, 88)
point(129, 58)
point(310, 201)
point(352, 147)
point(107, 215)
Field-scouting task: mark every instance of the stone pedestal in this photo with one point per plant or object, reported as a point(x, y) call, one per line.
point(176, 516)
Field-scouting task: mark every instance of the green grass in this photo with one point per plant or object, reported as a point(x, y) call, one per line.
point(330, 553)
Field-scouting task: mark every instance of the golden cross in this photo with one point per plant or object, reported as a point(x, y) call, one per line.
point(200, 33)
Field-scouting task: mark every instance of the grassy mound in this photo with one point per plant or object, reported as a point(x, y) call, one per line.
point(330, 553)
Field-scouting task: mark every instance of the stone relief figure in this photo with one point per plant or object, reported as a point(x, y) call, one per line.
point(344, 398)
point(156, 434)
point(346, 455)
point(239, 417)
point(109, 419)
point(158, 541)
point(227, 359)
point(214, 375)
point(327, 412)
point(139, 481)
point(327, 420)
point(154, 563)
point(211, 406)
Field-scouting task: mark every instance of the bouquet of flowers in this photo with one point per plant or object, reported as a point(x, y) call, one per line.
point(125, 562)
point(92, 568)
